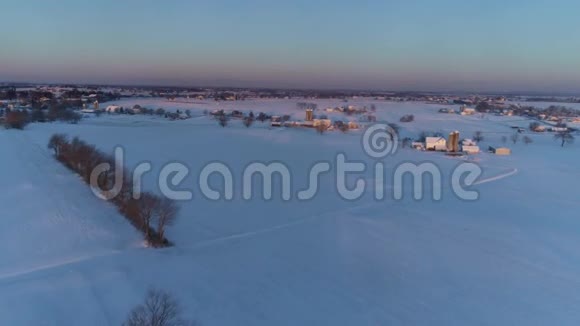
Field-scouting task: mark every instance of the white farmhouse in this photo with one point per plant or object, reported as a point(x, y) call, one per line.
point(435, 144)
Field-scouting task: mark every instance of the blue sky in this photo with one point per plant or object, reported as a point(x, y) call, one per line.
point(399, 45)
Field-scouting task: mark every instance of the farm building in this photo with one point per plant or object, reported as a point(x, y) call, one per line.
point(539, 129)
point(435, 144)
point(470, 149)
point(453, 143)
point(353, 125)
point(418, 145)
point(323, 122)
point(467, 111)
point(114, 108)
point(309, 115)
point(469, 146)
point(276, 121)
point(500, 150)
point(468, 142)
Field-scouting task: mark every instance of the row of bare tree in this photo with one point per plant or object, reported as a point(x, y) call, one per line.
point(149, 213)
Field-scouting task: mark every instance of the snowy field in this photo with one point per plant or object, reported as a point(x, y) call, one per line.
point(509, 258)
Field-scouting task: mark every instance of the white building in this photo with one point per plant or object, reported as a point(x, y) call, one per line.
point(436, 144)
point(468, 142)
point(353, 125)
point(322, 122)
point(418, 145)
point(470, 149)
point(114, 108)
point(276, 121)
point(467, 111)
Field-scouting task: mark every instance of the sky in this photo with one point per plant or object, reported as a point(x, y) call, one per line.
point(463, 45)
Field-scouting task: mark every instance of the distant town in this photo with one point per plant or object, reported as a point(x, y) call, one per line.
point(23, 103)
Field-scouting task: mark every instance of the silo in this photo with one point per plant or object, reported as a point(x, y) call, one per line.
point(453, 143)
point(309, 115)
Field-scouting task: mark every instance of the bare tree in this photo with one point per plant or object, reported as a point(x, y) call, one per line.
point(248, 121)
point(166, 215)
point(56, 143)
point(321, 128)
point(15, 119)
point(565, 137)
point(223, 120)
point(478, 136)
point(528, 140)
point(515, 137)
point(147, 205)
point(406, 142)
point(394, 132)
point(159, 309)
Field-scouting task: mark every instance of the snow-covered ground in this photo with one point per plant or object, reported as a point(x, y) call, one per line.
point(509, 258)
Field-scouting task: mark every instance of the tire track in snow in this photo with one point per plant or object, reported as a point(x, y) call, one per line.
point(251, 234)
point(51, 266)
point(497, 177)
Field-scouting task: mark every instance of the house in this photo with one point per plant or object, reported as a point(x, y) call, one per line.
point(321, 122)
point(539, 129)
point(114, 109)
point(435, 144)
point(276, 121)
point(353, 125)
point(500, 150)
point(467, 111)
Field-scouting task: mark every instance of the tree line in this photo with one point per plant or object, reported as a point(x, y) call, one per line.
point(18, 119)
point(147, 212)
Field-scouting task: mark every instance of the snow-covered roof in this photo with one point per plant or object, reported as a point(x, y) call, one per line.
point(434, 139)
